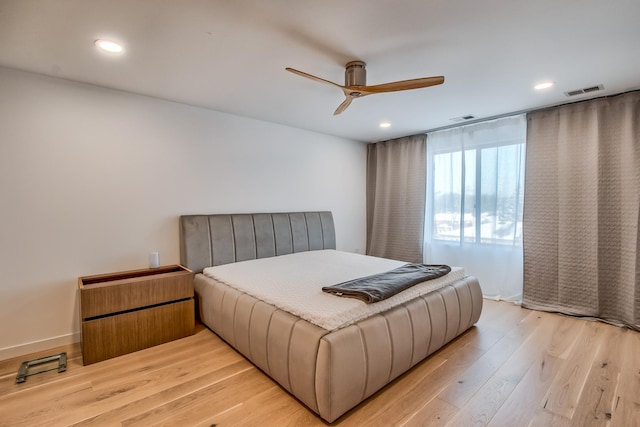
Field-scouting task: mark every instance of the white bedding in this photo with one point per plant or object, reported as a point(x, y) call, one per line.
point(294, 283)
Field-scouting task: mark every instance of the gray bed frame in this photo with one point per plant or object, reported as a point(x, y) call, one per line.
point(329, 371)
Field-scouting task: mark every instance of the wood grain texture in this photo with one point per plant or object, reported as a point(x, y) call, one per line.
point(128, 311)
point(111, 293)
point(114, 336)
point(517, 367)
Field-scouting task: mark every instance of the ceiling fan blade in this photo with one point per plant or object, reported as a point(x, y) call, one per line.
point(402, 85)
point(344, 105)
point(312, 77)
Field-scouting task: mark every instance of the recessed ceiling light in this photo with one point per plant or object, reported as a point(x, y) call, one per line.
point(543, 85)
point(385, 125)
point(109, 46)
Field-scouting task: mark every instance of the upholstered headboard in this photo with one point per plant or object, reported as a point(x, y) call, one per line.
point(208, 240)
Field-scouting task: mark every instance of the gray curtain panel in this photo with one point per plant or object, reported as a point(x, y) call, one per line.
point(396, 192)
point(581, 210)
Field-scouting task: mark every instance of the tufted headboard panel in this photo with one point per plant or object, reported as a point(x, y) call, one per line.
point(209, 240)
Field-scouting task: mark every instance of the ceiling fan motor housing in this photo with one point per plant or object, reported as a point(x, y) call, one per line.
point(355, 74)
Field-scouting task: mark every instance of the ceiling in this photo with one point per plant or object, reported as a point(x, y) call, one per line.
point(230, 56)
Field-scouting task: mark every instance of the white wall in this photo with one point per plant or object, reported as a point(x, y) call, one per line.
point(92, 180)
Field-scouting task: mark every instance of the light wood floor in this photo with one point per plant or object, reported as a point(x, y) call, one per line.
point(515, 368)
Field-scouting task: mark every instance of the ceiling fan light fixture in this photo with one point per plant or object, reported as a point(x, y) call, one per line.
point(543, 85)
point(109, 46)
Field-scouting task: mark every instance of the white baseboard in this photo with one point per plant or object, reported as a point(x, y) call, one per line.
point(35, 346)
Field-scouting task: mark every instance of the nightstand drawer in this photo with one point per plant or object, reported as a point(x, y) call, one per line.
point(113, 336)
point(118, 292)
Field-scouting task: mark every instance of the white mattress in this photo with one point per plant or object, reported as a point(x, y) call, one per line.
point(294, 283)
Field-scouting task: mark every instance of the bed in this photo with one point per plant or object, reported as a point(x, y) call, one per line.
point(330, 369)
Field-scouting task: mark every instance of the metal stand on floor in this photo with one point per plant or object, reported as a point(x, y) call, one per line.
point(22, 372)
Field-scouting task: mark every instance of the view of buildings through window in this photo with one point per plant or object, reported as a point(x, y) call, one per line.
point(477, 194)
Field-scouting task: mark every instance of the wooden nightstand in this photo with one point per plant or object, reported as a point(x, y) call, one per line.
point(127, 311)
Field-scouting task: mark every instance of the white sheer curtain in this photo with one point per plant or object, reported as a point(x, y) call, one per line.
point(475, 185)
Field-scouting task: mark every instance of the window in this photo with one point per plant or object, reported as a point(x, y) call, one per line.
point(475, 192)
point(488, 207)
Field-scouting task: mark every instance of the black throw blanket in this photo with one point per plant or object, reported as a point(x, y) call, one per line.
point(381, 286)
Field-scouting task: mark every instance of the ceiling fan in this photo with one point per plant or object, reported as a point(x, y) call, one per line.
point(355, 83)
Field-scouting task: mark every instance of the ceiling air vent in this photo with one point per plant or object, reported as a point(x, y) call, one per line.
point(584, 90)
point(463, 118)
point(593, 88)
